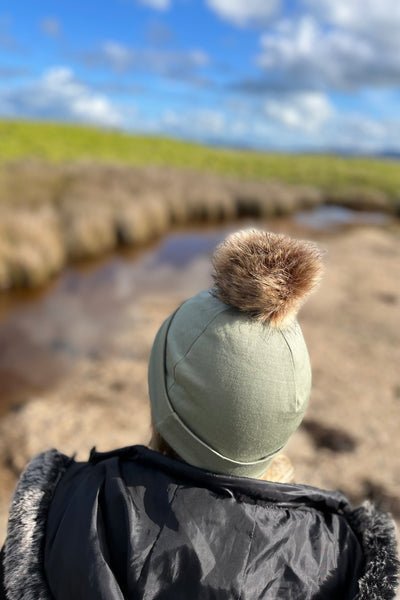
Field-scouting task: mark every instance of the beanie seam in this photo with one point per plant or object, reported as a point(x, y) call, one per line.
point(293, 367)
point(224, 309)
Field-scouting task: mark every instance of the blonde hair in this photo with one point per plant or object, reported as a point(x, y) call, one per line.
point(158, 443)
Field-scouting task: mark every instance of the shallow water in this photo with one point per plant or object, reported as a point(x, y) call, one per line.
point(327, 218)
point(45, 333)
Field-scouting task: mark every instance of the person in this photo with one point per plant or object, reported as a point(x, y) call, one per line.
point(193, 517)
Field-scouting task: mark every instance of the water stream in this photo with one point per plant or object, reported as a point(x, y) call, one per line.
point(44, 333)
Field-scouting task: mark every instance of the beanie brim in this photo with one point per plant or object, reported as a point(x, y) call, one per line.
point(177, 434)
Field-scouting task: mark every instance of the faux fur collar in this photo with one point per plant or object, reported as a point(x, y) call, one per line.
point(377, 534)
point(24, 577)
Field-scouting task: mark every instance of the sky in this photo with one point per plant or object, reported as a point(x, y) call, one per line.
point(297, 75)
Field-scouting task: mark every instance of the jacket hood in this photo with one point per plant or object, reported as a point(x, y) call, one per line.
point(135, 524)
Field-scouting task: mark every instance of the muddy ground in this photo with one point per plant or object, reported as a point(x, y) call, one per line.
point(350, 439)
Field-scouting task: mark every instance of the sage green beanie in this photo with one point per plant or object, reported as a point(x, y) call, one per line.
point(229, 371)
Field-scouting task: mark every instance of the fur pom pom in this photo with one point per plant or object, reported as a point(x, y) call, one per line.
point(266, 275)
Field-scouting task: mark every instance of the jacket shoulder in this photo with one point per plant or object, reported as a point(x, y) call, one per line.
point(23, 549)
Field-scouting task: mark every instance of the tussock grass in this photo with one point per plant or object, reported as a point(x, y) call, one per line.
point(88, 231)
point(57, 209)
point(31, 247)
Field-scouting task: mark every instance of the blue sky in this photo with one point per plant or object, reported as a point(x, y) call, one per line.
point(274, 74)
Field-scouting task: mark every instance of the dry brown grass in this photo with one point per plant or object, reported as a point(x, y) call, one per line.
point(31, 249)
point(51, 213)
point(209, 201)
point(31, 184)
point(358, 198)
point(266, 200)
point(131, 224)
point(88, 229)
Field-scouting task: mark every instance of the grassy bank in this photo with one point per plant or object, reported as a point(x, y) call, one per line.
point(69, 193)
point(57, 142)
point(51, 214)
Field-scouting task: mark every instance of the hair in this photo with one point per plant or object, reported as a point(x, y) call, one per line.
point(158, 443)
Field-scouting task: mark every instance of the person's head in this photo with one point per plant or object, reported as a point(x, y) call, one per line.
point(229, 372)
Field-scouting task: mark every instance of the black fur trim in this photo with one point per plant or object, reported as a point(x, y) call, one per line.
point(377, 534)
point(24, 578)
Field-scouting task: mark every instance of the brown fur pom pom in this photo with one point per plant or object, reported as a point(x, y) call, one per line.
point(266, 275)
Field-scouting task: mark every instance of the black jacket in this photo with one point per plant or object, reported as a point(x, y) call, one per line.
point(133, 524)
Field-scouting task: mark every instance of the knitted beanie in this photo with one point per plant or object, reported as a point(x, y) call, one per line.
point(229, 372)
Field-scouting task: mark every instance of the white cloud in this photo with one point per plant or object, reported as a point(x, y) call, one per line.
point(361, 133)
point(207, 125)
point(245, 12)
point(357, 129)
point(168, 63)
point(240, 124)
point(305, 55)
point(156, 4)
point(306, 111)
point(304, 121)
point(378, 20)
point(118, 56)
point(59, 95)
point(201, 123)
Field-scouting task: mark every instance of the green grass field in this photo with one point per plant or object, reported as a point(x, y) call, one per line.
point(60, 142)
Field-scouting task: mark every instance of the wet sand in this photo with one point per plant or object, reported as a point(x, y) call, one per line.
point(83, 346)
